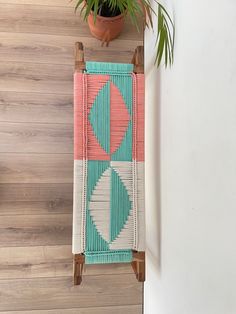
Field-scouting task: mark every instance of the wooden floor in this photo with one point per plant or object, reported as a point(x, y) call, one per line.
point(36, 139)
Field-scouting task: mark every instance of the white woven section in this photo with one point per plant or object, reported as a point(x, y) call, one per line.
point(125, 238)
point(134, 170)
point(100, 205)
point(77, 246)
point(141, 206)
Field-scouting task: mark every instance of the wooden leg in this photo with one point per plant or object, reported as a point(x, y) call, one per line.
point(138, 60)
point(138, 265)
point(78, 268)
point(79, 57)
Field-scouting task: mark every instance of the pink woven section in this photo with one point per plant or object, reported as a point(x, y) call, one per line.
point(78, 116)
point(85, 98)
point(119, 118)
point(94, 84)
point(140, 117)
point(95, 151)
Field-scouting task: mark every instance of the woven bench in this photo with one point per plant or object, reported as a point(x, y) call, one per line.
point(108, 206)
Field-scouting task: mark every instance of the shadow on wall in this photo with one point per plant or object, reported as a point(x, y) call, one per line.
point(153, 166)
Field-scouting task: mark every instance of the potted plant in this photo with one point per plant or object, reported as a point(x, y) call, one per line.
point(106, 20)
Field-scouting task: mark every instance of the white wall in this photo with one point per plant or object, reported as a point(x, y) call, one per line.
point(191, 164)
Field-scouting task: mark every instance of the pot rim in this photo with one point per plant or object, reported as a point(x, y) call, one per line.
point(109, 18)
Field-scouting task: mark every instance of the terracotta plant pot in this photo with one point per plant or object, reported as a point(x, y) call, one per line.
point(106, 28)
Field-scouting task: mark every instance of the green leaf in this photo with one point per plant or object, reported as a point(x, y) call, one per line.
point(95, 10)
point(136, 10)
point(160, 47)
point(165, 37)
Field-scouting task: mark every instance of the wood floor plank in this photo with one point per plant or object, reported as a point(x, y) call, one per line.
point(25, 107)
point(37, 198)
point(35, 261)
point(36, 168)
point(36, 117)
point(126, 309)
point(36, 138)
point(52, 293)
point(34, 77)
point(54, 49)
point(48, 261)
point(62, 3)
point(56, 206)
point(39, 19)
point(36, 230)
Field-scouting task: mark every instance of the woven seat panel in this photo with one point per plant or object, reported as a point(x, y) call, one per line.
point(108, 213)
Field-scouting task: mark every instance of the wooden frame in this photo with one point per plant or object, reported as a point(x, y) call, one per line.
point(138, 262)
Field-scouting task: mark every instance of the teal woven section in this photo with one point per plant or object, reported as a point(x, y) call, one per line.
point(108, 200)
point(94, 240)
point(119, 256)
point(109, 68)
point(100, 117)
point(125, 86)
point(95, 170)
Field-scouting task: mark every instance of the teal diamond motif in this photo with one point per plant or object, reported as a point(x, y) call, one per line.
point(99, 117)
